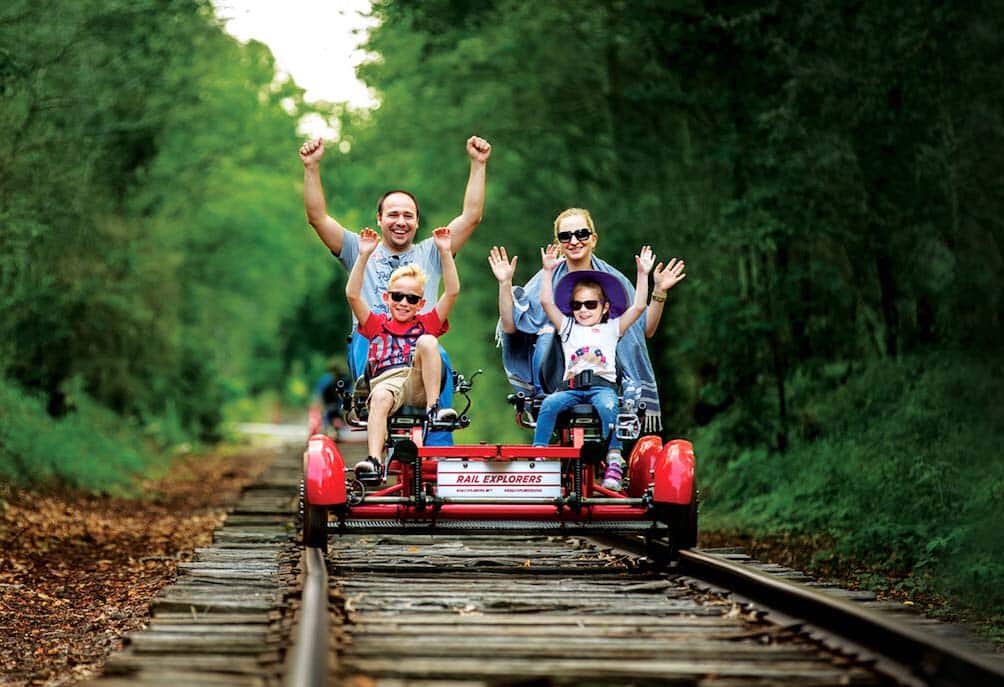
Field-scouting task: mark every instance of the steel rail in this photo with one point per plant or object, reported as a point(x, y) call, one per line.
point(936, 660)
point(307, 665)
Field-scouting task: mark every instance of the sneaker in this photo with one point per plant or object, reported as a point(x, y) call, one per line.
point(368, 469)
point(440, 416)
point(614, 474)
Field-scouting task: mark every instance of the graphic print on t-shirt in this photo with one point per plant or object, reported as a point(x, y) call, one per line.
point(389, 350)
point(587, 358)
point(383, 266)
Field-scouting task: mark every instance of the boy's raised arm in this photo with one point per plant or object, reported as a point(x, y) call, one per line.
point(451, 279)
point(368, 240)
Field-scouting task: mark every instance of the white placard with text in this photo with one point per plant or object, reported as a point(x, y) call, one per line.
point(508, 480)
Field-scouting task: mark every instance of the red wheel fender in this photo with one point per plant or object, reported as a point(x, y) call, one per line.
point(324, 472)
point(674, 473)
point(641, 464)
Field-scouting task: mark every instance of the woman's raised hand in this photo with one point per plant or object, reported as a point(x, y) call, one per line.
point(665, 279)
point(645, 260)
point(502, 268)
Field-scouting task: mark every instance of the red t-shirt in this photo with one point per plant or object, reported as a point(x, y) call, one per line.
point(392, 343)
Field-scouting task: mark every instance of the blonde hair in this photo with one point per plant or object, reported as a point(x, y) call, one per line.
point(575, 211)
point(410, 270)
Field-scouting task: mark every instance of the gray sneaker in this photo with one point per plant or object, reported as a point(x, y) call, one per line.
point(442, 416)
point(368, 470)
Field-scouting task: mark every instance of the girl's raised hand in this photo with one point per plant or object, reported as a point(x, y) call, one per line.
point(645, 260)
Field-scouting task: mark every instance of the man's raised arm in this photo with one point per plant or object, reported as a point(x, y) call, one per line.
point(328, 230)
point(463, 225)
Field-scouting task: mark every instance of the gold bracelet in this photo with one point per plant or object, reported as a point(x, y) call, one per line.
point(659, 299)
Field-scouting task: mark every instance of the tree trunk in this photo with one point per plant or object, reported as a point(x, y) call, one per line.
point(890, 315)
point(777, 355)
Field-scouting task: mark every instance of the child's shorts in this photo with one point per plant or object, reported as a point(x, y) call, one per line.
point(404, 384)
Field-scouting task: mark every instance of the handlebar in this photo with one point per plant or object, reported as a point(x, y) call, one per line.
point(462, 384)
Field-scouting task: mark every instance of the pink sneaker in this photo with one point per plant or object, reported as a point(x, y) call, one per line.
point(614, 474)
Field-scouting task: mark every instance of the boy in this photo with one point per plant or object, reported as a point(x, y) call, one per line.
point(403, 361)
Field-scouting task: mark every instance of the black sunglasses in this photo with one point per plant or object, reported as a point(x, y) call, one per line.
point(588, 305)
point(581, 234)
point(396, 296)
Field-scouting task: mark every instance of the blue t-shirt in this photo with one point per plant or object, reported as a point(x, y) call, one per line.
point(383, 262)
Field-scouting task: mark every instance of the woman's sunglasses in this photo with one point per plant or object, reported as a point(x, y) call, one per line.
point(581, 234)
point(396, 296)
point(588, 305)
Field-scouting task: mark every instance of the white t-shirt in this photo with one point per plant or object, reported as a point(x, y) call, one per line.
point(591, 348)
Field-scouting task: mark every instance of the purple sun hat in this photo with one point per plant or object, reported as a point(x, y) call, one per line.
point(612, 287)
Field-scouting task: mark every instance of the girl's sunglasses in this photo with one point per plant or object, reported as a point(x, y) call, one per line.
point(581, 234)
point(396, 296)
point(588, 305)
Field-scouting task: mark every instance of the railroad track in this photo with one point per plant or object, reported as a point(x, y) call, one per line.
point(516, 609)
point(527, 610)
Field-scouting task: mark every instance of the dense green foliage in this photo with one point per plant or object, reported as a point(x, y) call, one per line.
point(147, 216)
point(885, 471)
point(38, 449)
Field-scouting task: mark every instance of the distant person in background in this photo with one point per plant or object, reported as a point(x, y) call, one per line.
point(528, 334)
point(325, 413)
point(398, 218)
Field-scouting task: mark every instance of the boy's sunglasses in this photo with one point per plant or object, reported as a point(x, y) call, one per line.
point(581, 234)
point(396, 296)
point(588, 305)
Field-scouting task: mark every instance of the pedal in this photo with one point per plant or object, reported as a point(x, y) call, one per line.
point(628, 426)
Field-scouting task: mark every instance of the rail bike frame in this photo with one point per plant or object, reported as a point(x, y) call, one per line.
point(660, 499)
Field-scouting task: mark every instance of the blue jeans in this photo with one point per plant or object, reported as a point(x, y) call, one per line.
point(358, 350)
point(602, 398)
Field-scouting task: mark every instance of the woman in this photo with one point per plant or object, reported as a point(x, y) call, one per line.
point(530, 332)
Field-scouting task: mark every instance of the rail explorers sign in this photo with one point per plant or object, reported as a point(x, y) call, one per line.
point(517, 479)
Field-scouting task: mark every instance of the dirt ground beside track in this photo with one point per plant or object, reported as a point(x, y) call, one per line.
point(77, 571)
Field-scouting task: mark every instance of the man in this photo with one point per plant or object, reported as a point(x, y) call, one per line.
point(398, 218)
